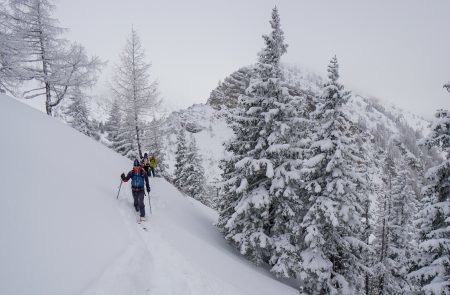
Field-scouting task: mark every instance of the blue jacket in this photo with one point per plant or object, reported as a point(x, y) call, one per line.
point(144, 175)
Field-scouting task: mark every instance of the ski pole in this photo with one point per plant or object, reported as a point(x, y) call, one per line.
point(149, 204)
point(120, 186)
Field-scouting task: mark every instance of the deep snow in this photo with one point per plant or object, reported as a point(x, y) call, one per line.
point(63, 232)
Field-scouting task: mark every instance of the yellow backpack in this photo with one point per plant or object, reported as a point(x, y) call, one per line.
point(152, 162)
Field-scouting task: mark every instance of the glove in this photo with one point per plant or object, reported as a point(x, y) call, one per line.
point(148, 191)
point(122, 175)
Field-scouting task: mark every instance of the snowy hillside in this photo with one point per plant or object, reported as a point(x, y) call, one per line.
point(210, 131)
point(63, 231)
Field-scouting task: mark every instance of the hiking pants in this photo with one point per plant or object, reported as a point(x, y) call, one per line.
point(138, 197)
point(151, 171)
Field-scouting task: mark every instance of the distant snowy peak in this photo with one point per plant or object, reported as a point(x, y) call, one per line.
point(309, 84)
point(194, 119)
point(297, 81)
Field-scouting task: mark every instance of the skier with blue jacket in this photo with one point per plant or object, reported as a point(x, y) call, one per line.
point(138, 177)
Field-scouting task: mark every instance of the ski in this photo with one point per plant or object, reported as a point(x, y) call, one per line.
point(140, 222)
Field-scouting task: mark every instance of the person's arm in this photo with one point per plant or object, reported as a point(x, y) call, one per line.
point(126, 178)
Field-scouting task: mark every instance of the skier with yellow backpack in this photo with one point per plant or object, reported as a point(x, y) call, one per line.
point(149, 164)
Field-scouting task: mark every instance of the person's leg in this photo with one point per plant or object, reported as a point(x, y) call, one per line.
point(135, 199)
point(141, 202)
point(152, 171)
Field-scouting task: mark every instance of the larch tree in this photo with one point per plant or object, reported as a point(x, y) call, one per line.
point(125, 142)
point(11, 54)
point(137, 93)
point(56, 65)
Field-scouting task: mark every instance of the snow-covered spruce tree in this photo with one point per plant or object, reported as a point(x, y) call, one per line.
point(112, 125)
point(195, 181)
point(181, 173)
point(56, 65)
point(332, 260)
point(78, 114)
point(131, 85)
point(431, 267)
point(259, 197)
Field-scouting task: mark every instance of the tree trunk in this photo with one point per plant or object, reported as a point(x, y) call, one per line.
point(366, 213)
point(136, 121)
point(48, 97)
point(138, 138)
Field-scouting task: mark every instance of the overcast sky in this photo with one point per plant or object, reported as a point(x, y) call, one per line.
point(398, 51)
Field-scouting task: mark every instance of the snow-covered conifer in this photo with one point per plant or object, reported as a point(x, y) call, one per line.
point(332, 260)
point(181, 174)
point(260, 202)
point(55, 64)
point(132, 86)
point(431, 267)
point(112, 125)
point(78, 114)
point(195, 181)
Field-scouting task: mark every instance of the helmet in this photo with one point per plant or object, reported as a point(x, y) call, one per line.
point(136, 162)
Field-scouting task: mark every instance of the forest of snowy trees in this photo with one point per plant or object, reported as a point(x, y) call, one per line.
point(37, 61)
point(305, 189)
point(302, 193)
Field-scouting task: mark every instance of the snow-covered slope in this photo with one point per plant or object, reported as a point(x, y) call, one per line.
point(63, 231)
point(59, 224)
